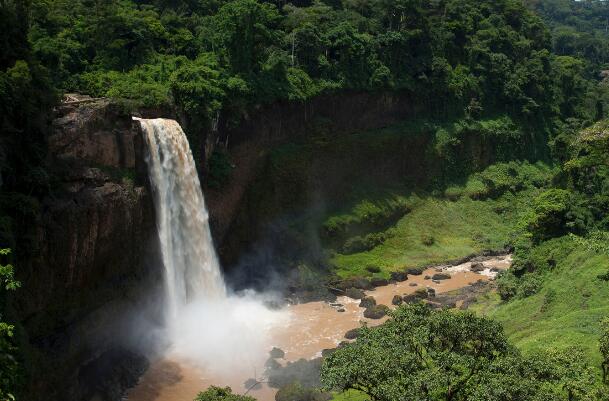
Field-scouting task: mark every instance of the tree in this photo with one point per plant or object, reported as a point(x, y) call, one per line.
point(214, 393)
point(245, 29)
point(9, 368)
point(604, 348)
point(421, 354)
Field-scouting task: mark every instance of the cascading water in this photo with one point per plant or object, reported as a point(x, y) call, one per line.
point(191, 265)
point(205, 325)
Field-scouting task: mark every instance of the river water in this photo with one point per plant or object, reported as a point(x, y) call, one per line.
point(310, 328)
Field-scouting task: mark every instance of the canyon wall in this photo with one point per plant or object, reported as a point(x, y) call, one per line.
point(94, 276)
point(95, 269)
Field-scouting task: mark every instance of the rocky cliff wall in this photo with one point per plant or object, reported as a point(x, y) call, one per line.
point(96, 268)
point(264, 127)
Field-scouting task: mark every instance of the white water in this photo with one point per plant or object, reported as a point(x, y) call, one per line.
point(205, 325)
point(191, 265)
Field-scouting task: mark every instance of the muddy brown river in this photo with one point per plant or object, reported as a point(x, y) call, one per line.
point(309, 329)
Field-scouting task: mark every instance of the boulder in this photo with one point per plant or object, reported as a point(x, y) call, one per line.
point(341, 310)
point(431, 292)
point(272, 364)
point(355, 293)
point(376, 312)
point(358, 282)
point(399, 276)
point(412, 284)
point(477, 267)
point(327, 352)
point(367, 302)
point(418, 295)
point(441, 276)
point(352, 334)
point(379, 282)
point(397, 300)
point(427, 278)
point(277, 353)
point(415, 271)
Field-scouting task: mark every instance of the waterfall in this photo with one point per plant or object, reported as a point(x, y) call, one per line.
point(192, 271)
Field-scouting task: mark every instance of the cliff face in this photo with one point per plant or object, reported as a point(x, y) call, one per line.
point(95, 274)
point(96, 261)
point(267, 126)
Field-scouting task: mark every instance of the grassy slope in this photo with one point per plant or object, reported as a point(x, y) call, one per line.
point(565, 312)
point(458, 228)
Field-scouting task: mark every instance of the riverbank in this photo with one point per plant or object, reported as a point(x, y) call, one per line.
point(314, 327)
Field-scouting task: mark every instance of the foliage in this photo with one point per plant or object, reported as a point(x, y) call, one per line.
point(468, 57)
point(9, 368)
point(568, 305)
point(443, 355)
point(556, 212)
point(214, 393)
point(296, 392)
point(604, 347)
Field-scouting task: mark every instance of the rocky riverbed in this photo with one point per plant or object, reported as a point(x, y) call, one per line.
point(314, 328)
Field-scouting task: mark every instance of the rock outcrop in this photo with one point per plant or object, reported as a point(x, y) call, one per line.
point(96, 265)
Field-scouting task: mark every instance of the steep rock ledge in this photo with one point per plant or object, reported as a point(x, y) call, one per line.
point(266, 126)
point(96, 267)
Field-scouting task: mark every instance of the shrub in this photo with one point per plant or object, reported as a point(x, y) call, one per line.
point(214, 393)
point(453, 192)
point(507, 285)
point(530, 284)
point(296, 392)
point(366, 243)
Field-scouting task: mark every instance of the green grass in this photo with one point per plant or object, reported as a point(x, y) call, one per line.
point(457, 228)
point(566, 311)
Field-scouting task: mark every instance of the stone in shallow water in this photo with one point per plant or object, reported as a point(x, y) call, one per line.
point(277, 353)
point(376, 312)
point(399, 276)
point(367, 302)
point(477, 267)
point(355, 293)
point(441, 276)
point(352, 334)
point(379, 282)
point(397, 300)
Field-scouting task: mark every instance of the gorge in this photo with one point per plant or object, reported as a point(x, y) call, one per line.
point(304, 201)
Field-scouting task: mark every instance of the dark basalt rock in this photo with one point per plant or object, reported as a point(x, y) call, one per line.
point(414, 271)
point(355, 293)
point(417, 296)
point(441, 276)
point(367, 302)
point(109, 376)
point(477, 267)
point(397, 300)
point(376, 312)
point(359, 283)
point(277, 353)
point(352, 334)
point(379, 282)
point(399, 276)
